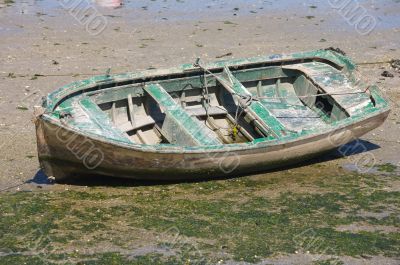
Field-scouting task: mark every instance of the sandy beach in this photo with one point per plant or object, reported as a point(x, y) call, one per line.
point(43, 46)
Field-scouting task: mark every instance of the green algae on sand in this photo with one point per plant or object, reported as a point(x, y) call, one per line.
point(244, 219)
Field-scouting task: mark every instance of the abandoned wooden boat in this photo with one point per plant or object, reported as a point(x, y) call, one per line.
point(206, 120)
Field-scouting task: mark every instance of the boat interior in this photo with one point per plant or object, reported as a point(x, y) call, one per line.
point(231, 105)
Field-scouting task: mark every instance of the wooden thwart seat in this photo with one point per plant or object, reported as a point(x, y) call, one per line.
point(298, 119)
point(264, 119)
point(178, 126)
point(212, 110)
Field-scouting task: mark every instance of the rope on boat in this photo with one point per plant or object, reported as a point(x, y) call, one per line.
point(245, 101)
point(242, 104)
point(95, 74)
point(372, 63)
point(207, 105)
point(337, 93)
point(249, 99)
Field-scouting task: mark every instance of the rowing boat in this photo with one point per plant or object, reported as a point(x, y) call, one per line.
point(206, 120)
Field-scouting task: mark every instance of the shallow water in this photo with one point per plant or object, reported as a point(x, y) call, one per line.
point(385, 12)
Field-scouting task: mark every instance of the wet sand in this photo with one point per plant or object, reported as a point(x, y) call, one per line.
point(43, 47)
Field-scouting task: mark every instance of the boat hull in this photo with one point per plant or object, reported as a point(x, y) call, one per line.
point(66, 154)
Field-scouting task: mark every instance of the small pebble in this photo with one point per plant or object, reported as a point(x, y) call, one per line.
point(387, 74)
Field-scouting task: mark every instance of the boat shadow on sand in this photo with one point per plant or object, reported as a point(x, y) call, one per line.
point(348, 150)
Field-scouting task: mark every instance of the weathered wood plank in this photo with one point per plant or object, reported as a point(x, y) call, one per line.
point(179, 127)
point(97, 121)
point(336, 83)
point(113, 113)
point(202, 111)
point(131, 110)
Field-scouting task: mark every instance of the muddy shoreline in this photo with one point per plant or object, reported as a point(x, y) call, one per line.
point(43, 51)
point(43, 47)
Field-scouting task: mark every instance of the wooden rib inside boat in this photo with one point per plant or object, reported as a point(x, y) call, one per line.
point(239, 106)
